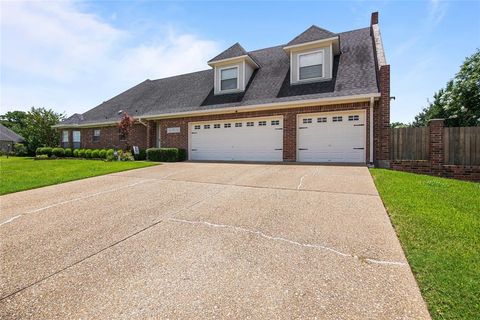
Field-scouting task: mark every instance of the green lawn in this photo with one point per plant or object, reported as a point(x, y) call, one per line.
point(17, 174)
point(438, 223)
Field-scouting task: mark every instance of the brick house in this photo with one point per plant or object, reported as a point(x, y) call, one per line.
point(322, 97)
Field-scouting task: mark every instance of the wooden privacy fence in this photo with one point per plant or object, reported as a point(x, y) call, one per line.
point(410, 143)
point(462, 145)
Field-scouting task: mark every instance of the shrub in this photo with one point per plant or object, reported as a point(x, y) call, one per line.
point(110, 155)
point(142, 155)
point(58, 152)
point(75, 153)
point(88, 153)
point(102, 154)
point(20, 150)
point(41, 156)
point(68, 152)
point(165, 154)
point(44, 151)
point(125, 156)
point(95, 154)
point(81, 153)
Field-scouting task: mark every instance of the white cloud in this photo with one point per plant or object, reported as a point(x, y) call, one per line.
point(55, 55)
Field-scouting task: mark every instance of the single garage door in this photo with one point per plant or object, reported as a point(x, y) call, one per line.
point(331, 137)
point(250, 139)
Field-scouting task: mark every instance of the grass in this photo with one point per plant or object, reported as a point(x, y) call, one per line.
point(19, 174)
point(438, 223)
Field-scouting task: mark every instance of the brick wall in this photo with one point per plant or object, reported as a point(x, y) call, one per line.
point(109, 137)
point(435, 164)
point(180, 140)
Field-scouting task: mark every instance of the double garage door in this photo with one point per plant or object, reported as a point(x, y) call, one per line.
point(322, 137)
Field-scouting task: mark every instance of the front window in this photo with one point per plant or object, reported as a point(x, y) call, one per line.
point(65, 138)
point(310, 65)
point(229, 79)
point(76, 139)
point(96, 135)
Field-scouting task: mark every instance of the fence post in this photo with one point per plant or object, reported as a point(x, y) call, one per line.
point(436, 145)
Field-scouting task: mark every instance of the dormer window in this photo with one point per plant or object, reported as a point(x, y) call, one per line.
point(229, 79)
point(232, 70)
point(312, 55)
point(310, 65)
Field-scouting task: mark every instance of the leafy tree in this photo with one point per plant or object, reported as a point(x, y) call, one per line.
point(125, 127)
point(459, 101)
point(14, 120)
point(38, 131)
point(399, 125)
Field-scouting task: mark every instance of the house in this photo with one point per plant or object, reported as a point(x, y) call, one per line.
point(8, 138)
point(321, 97)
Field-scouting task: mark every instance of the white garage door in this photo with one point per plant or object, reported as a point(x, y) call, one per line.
point(331, 137)
point(250, 139)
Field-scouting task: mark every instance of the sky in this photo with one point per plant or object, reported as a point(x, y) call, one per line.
point(72, 56)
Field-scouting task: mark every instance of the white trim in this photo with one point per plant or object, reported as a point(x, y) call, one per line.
point(243, 66)
point(309, 43)
point(313, 114)
point(238, 78)
point(159, 136)
point(298, 65)
point(371, 126)
point(254, 107)
point(245, 57)
point(291, 67)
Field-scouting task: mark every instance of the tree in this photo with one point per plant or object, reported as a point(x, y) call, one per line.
point(125, 127)
point(38, 131)
point(459, 102)
point(14, 120)
point(399, 125)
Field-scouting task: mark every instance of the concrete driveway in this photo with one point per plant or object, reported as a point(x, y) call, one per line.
point(205, 240)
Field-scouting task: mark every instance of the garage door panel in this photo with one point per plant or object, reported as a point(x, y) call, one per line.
point(245, 143)
point(342, 140)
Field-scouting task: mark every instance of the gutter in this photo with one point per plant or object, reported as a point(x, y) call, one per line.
point(258, 107)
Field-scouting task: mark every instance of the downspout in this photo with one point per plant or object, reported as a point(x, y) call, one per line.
point(372, 103)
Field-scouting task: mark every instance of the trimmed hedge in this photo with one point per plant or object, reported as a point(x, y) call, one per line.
point(44, 151)
point(68, 152)
point(58, 152)
point(95, 154)
point(102, 154)
point(88, 153)
point(141, 156)
point(81, 153)
point(166, 154)
point(75, 153)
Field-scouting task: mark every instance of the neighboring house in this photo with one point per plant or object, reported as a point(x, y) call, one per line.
point(8, 138)
point(322, 97)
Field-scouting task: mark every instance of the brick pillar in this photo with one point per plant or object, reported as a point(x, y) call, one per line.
point(151, 134)
point(290, 137)
point(382, 152)
point(436, 144)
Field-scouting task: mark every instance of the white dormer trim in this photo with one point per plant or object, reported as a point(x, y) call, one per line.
point(316, 42)
point(244, 57)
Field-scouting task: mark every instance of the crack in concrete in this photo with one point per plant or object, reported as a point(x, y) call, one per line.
point(281, 239)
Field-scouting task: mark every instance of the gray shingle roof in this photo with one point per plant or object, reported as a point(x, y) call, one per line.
point(8, 135)
point(313, 33)
point(234, 51)
point(354, 73)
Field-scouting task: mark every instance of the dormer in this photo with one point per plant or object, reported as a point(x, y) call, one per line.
point(233, 69)
point(311, 55)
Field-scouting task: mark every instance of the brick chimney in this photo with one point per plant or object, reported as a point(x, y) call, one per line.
point(374, 18)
